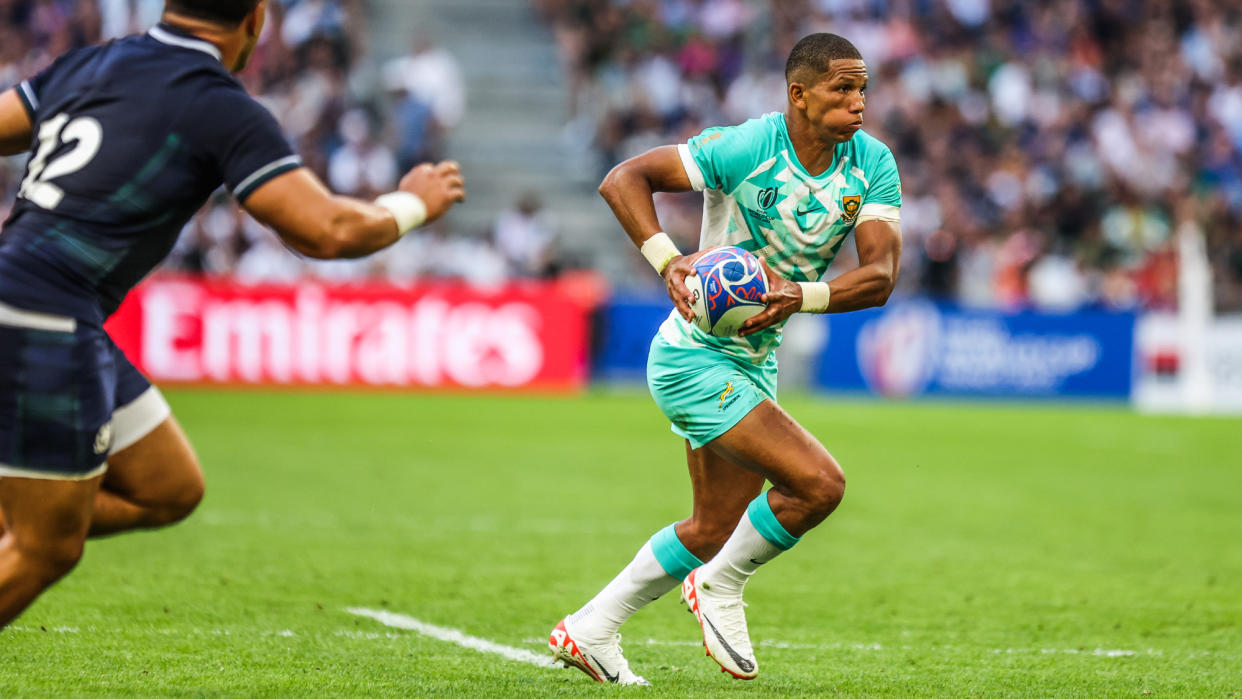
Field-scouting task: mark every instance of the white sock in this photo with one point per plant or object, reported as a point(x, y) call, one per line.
point(637, 585)
point(726, 574)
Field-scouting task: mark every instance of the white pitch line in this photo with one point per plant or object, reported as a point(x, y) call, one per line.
point(785, 645)
point(401, 621)
point(443, 633)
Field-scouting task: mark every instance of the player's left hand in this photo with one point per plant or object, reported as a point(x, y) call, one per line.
point(784, 298)
point(440, 186)
point(675, 274)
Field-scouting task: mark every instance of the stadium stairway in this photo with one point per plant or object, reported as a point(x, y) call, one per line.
point(512, 137)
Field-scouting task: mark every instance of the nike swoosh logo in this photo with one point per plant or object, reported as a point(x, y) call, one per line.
point(743, 663)
point(611, 678)
point(758, 563)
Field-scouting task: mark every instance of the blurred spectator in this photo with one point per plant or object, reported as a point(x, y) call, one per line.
point(524, 235)
point(302, 71)
point(361, 166)
point(431, 75)
point(417, 133)
point(1044, 147)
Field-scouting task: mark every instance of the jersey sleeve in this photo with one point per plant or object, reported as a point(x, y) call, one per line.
point(883, 198)
point(243, 141)
point(721, 157)
point(31, 89)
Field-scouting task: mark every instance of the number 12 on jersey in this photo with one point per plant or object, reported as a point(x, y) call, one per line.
point(84, 132)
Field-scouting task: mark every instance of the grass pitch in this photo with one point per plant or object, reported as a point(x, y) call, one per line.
point(981, 551)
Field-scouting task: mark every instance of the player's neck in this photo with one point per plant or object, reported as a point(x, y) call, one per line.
point(814, 155)
point(226, 40)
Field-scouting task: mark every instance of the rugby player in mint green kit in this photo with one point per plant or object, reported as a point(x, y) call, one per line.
point(790, 188)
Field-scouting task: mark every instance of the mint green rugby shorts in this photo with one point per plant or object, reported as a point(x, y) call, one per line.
point(705, 392)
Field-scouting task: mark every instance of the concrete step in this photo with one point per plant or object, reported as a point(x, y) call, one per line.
point(510, 140)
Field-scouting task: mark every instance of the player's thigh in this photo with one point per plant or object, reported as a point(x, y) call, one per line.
point(769, 442)
point(48, 518)
point(722, 491)
point(151, 461)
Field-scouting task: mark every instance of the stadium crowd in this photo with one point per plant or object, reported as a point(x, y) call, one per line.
point(357, 124)
point(1051, 153)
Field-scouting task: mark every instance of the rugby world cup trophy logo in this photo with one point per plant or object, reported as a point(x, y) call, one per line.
point(898, 351)
point(733, 284)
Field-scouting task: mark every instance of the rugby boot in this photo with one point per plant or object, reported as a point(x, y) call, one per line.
point(723, 621)
point(602, 662)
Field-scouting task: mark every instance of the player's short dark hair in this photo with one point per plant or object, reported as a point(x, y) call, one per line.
point(815, 52)
point(228, 12)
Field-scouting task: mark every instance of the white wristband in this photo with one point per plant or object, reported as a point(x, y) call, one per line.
point(407, 208)
point(815, 297)
point(659, 251)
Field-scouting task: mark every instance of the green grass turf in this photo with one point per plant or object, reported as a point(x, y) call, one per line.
point(982, 550)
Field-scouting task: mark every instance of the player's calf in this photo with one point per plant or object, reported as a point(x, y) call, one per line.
point(153, 482)
point(705, 532)
point(176, 508)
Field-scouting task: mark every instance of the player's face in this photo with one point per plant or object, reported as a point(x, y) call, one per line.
point(835, 103)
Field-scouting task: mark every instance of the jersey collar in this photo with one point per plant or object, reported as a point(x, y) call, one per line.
point(792, 155)
point(168, 34)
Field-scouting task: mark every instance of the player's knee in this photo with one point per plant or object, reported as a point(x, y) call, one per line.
point(181, 503)
point(826, 489)
point(50, 558)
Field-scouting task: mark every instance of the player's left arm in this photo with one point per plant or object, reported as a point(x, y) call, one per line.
point(16, 129)
point(879, 261)
point(870, 284)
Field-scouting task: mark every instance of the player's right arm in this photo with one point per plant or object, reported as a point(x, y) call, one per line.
point(317, 223)
point(241, 143)
point(629, 190)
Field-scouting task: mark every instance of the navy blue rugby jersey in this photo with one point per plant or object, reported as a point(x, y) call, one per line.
point(130, 139)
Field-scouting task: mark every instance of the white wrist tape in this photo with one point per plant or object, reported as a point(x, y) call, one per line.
point(659, 251)
point(815, 297)
point(407, 208)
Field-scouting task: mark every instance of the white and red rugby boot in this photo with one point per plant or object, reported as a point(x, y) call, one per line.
point(601, 662)
point(723, 620)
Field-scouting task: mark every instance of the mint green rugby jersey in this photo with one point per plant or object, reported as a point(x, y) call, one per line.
point(757, 196)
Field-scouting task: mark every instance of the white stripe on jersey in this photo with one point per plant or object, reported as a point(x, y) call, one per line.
point(879, 212)
point(763, 167)
point(692, 168)
point(28, 91)
point(18, 318)
point(166, 37)
point(857, 172)
point(264, 172)
point(19, 472)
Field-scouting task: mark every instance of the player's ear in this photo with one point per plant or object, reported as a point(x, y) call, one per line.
point(253, 24)
point(797, 95)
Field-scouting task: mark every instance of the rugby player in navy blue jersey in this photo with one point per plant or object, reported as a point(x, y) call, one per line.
point(127, 141)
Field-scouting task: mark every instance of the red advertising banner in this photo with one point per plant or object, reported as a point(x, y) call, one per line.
point(521, 336)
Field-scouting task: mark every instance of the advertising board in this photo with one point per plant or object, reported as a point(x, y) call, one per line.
point(436, 335)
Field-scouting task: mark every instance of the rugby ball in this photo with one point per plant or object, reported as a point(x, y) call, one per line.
point(727, 290)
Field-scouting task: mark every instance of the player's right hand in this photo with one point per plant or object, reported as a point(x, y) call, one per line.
point(439, 186)
point(675, 279)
